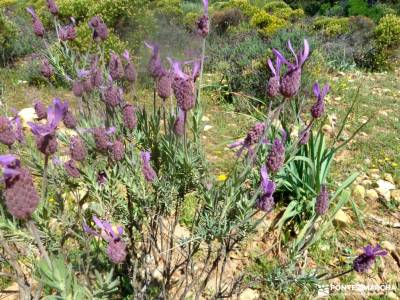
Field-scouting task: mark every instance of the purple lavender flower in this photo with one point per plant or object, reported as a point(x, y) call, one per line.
point(203, 25)
point(183, 87)
point(112, 95)
point(101, 138)
point(155, 67)
point(130, 71)
point(147, 170)
point(254, 136)
point(38, 27)
point(7, 134)
point(179, 128)
point(96, 74)
point(20, 195)
point(274, 84)
point(69, 120)
point(100, 30)
point(115, 67)
point(129, 116)
point(46, 69)
point(45, 134)
point(77, 88)
point(40, 109)
point(266, 201)
point(117, 151)
point(164, 86)
point(51, 4)
point(101, 177)
point(322, 202)
point(77, 149)
point(116, 249)
point(290, 82)
point(276, 157)
point(364, 262)
point(71, 169)
point(67, 33)
point(318, 108)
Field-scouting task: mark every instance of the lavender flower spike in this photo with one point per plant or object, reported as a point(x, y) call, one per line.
point(203, 26)
point(290, 82)
point(147, 170)
point(322, 202)
point(38, 27)
point(253, 137)
point(116, 249)
point(52, 6)
point(155, 66)
point(183, 87)
point(276, 157)
point(266, 201)
point(318, 108)
point(274, 85)
point(130, 70)
point(364, 262)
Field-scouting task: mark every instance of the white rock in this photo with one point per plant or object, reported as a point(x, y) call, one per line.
point(383, 184)
point(388, 246)
point(385, 194)
point(207, 127)
point(358, 193)
point(205, 119)
point(249, 294)
point(395, 195)
point(27, 115)
point(371, 195)
point(341, 218)
point(388, 177)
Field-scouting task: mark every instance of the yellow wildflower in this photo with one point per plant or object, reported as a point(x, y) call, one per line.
point(222, 177)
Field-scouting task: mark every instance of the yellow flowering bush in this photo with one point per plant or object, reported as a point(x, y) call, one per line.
point(387, 33)
point(332, 27)
point(267, 24)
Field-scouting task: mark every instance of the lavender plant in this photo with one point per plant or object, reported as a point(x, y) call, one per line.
point(130, 168)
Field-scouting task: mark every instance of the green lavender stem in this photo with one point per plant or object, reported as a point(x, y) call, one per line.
point(32, 227)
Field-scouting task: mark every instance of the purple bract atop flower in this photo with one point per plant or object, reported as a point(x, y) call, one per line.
point(290, 82)
point(129, 116)
point(319, 107)
point(276, 157)
point(115, 67)
point(51, 4)
point(364, 262)
point(266, 201)
point(46, 69)
point(274, 82)
point(183, 87)
point(322, 202)
point(148, 171)
point(46, 140)
point(38, 27)
point(130, 71)
point(67, 33)
point(155, 67)
point(100, 30)
point(116, 249)
point(254, 136)
point(20, 195)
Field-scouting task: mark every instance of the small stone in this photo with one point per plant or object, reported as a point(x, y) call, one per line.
point(249, 294)
point(385, 194)
point(205, 119)
point(341, 218)
point(395, 195)
point(375, 176)
point(327, 129)
point(366, 183)
point(27, 115)
point(207, 127)
point(388, 177)
point(371, 195)
point(358, 193)
point(373, 171)
point(386, 185)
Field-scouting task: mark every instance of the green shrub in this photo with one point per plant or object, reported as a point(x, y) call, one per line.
point(387, 32)
point(331, 27)
point(267, 24)
point(222, 19)
point(8, 35)
point(358, 8)
point(245, 6)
